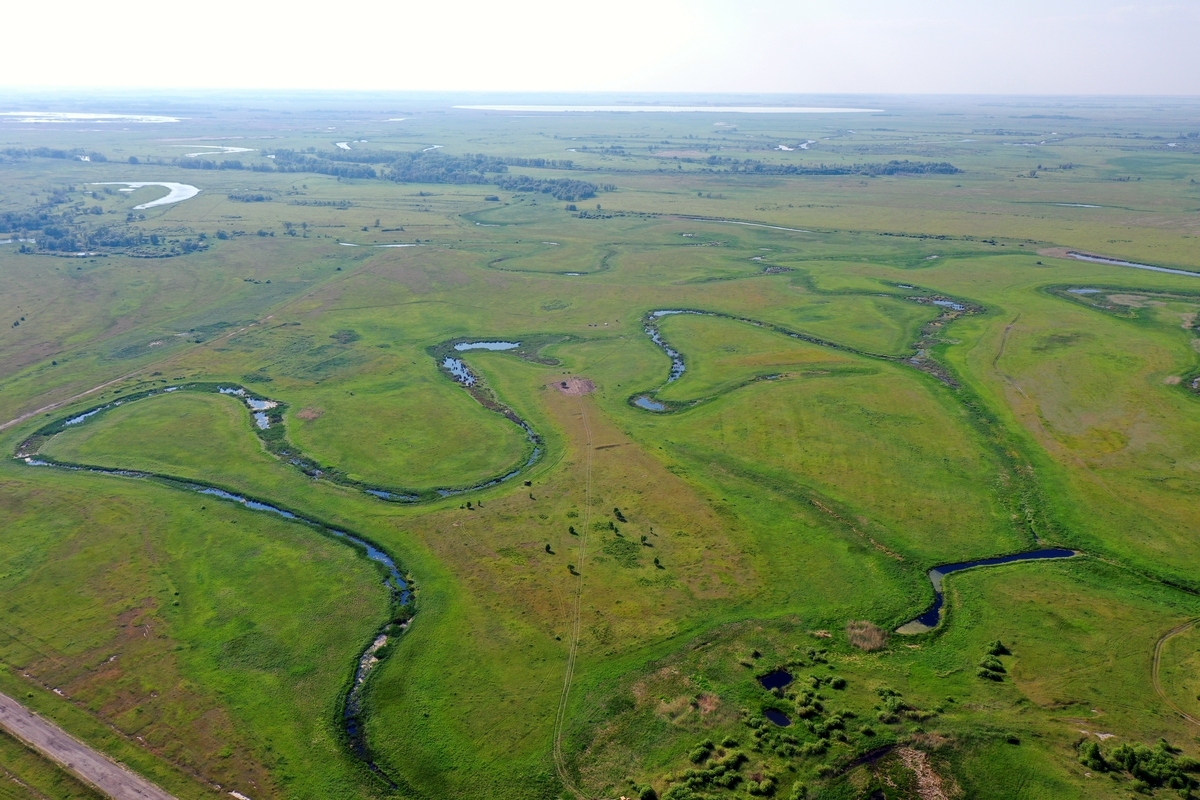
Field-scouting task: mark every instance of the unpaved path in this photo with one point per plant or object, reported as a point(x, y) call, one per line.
point(61, 403)
point(1158, 648)
point(560, 718)
point(76, 757)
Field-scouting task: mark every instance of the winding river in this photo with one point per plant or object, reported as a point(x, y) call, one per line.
point(176, 192)
point(266, 413)
point(933, 615)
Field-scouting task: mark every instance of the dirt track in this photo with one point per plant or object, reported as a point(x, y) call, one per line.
point(77, 758)
point(1158, 648)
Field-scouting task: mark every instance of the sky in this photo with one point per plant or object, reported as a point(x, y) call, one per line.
point(1050, 47)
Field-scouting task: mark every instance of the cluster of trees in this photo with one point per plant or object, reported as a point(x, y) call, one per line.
point(21, 153)
point(295, 161)
point(26, 221)
point(904, 167)
point(328, 203)
point(558, 188)
point(63, 240)
point(1151, 767)
point(204, 163)
point(434, 167)
point(250, 197)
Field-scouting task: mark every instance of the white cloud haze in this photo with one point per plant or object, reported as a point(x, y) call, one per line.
point(801, 46)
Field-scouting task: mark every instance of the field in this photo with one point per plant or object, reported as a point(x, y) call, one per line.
point(885, 356)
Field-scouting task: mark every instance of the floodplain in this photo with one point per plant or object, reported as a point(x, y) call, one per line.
point(767, 371)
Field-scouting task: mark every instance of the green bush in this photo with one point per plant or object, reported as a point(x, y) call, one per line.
point(992, 664)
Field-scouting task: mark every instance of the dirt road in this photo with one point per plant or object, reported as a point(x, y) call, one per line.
point(76, 757)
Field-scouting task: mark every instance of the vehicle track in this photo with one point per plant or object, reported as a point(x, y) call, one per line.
point(89, 765)
point(1158, 648)
point(560, 764)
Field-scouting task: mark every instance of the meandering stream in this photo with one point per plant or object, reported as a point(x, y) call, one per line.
point(929, 620)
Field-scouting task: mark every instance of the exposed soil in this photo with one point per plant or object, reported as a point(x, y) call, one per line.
point(1131, 300)
point(866, 636)
point(309, 414)
point(86, 763)
point(929, 783)
point(576, 386)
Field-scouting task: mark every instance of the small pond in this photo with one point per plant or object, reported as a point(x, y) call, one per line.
point(486, 346)
point(776, 680)
point(778, 717)
point(645, 402)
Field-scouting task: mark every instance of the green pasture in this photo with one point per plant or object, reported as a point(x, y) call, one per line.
point(794, 486)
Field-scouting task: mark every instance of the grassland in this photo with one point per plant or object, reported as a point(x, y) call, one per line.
point(796, 484)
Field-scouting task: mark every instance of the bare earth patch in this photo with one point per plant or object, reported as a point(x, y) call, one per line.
point(708, 703)
point(866, 636)
point(1172, 380)
point(929, 783)
point(1131, 300)
point(309, 414)
point(576, 386)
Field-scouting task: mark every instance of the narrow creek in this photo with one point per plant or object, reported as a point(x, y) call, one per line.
point(399, 590)
point(1116, 262)
point(921, 359)
point(932, 616)
point(267, 416)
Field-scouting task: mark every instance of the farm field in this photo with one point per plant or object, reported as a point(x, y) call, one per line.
point(597, 455)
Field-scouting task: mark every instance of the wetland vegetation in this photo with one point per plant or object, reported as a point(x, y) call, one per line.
point(622, 454)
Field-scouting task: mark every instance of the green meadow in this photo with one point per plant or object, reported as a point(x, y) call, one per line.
point(890, 368)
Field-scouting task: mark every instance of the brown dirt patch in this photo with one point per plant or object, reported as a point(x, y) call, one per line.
point(575, 386)
point(1131, 300)
point(866, 636)
point(309, 414)
point(929, 783)
point(1172, 380)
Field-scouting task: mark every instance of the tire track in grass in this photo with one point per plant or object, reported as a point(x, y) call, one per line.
point(1154, 677)
point(560, 764)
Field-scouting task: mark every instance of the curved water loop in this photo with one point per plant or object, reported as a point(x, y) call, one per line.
point(950, 309)
point(268, 414)
point(399, 590)
point(933, 615)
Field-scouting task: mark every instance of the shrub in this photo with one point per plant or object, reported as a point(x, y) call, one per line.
point(763, 788)
point(647, 793)
point(992, 663)
point(866, 636)
point(997, 648)
point(838, 683)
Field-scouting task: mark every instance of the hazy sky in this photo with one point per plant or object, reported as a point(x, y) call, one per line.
point(800, 46)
